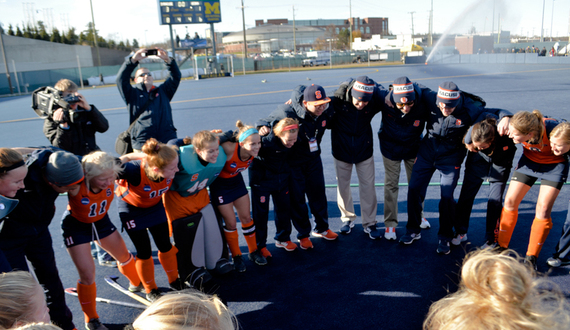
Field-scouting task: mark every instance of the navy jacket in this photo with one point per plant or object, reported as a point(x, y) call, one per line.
point(501, 152)
point(443, 143)
point(271, 161)
point(156, 121)
point(351, 133)
point(400, 134)
point(309, 126)
point(36, 201)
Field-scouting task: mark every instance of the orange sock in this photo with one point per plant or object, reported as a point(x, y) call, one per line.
point(87, 295)
point(249, 234)
point(233, 241)
point(538, 234)
point(508, 223)
point(169, 263)
point(145, 270)
point(129, 269)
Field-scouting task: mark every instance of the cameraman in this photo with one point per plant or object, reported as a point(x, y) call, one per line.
point(73, 128)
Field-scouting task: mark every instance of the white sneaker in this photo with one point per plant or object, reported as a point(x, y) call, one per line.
point(425, 224)
point(460, 238)
point(390, 233)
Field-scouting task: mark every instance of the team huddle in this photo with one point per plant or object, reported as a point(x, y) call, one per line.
point(189, 190)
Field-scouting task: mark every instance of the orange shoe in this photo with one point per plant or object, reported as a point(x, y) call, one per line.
point(327, 234)
point(305, 243)
point(265, 253)
point(288, 246)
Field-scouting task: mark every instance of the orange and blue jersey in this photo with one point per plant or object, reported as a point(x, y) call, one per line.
point(235, 165)
point(88, 206)
point(542, 153)
point(146, 194)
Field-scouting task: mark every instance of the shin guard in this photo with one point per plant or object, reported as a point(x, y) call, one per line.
point(129, 269)
point(87, 295)
point(249, 234)
point(145, 270)
point(538, 234)
point(506, 227)
point(169, 263)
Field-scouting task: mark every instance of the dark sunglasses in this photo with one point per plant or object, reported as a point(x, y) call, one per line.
point(144, 74)
point(401, 105)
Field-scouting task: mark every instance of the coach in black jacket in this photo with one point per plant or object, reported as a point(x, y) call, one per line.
point(352, 143)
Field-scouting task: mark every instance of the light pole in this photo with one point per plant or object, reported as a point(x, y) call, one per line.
point(244, 39)
point(542, 23)
point(330, 52)
point(551, 20)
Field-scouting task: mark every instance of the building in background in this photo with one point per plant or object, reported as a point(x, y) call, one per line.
point(367, 26)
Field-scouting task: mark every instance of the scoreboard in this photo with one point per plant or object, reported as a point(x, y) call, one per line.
point(189, 12)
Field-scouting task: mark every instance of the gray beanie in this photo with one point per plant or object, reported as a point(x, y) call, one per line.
point(63, 169)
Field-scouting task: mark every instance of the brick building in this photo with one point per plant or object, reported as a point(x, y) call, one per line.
point(367, 26)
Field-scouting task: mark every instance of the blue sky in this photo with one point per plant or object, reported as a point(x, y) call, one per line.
point(116, 19)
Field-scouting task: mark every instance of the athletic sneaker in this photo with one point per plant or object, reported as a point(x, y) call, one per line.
point(346, 227)
point(409, 238)
point(153, 295)
point(328, 234)
point(390, 233)
point(459, 239)
point(223, 266)
point(256, 257)
point(443, 247)
point(95, 324)
point(305, 243)
point(178, 285)
point(530, 261)
point(265, 252)
point(239, 265)
point(199, 277)
point(557, 262)
point(138, 288)
point(425, 224)
point(105, 259)
point(372, 232)
point(288, 246)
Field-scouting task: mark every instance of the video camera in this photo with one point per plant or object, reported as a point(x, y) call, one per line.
point(45, 100)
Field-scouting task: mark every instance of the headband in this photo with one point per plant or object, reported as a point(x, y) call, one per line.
point(247, 133)
point(11, 167)
point(290, 127)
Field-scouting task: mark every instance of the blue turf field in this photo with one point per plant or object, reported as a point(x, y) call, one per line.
point(350, 283)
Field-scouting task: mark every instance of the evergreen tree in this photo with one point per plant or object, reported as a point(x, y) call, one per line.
point(55, 36)
point(128, 45)
point(28, 32)
point(19, 32)
point(71, 37)
point(135, 44)
point(64, 39)
point(42, 33)
point(10, 30)
point(122, 46)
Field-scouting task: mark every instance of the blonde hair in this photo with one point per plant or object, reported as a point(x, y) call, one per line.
point(561, 131)
point(497, 291)
point(66, 85)
point(201, 139)
point(17, 298)
point(9, 157)
point(186, 310)
point(96, 163)
point(278, 130)
point(527, 122)
point(158, 154)
point(38, 326)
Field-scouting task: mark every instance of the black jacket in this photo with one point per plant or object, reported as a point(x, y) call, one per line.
point(400, 134)
point(309, 126)
point(79, 138)
point(352, 140)
point(36, 201)
point(156, 121)
point(271, 161)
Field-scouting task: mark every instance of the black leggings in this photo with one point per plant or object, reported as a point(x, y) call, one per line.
point(141, 240)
